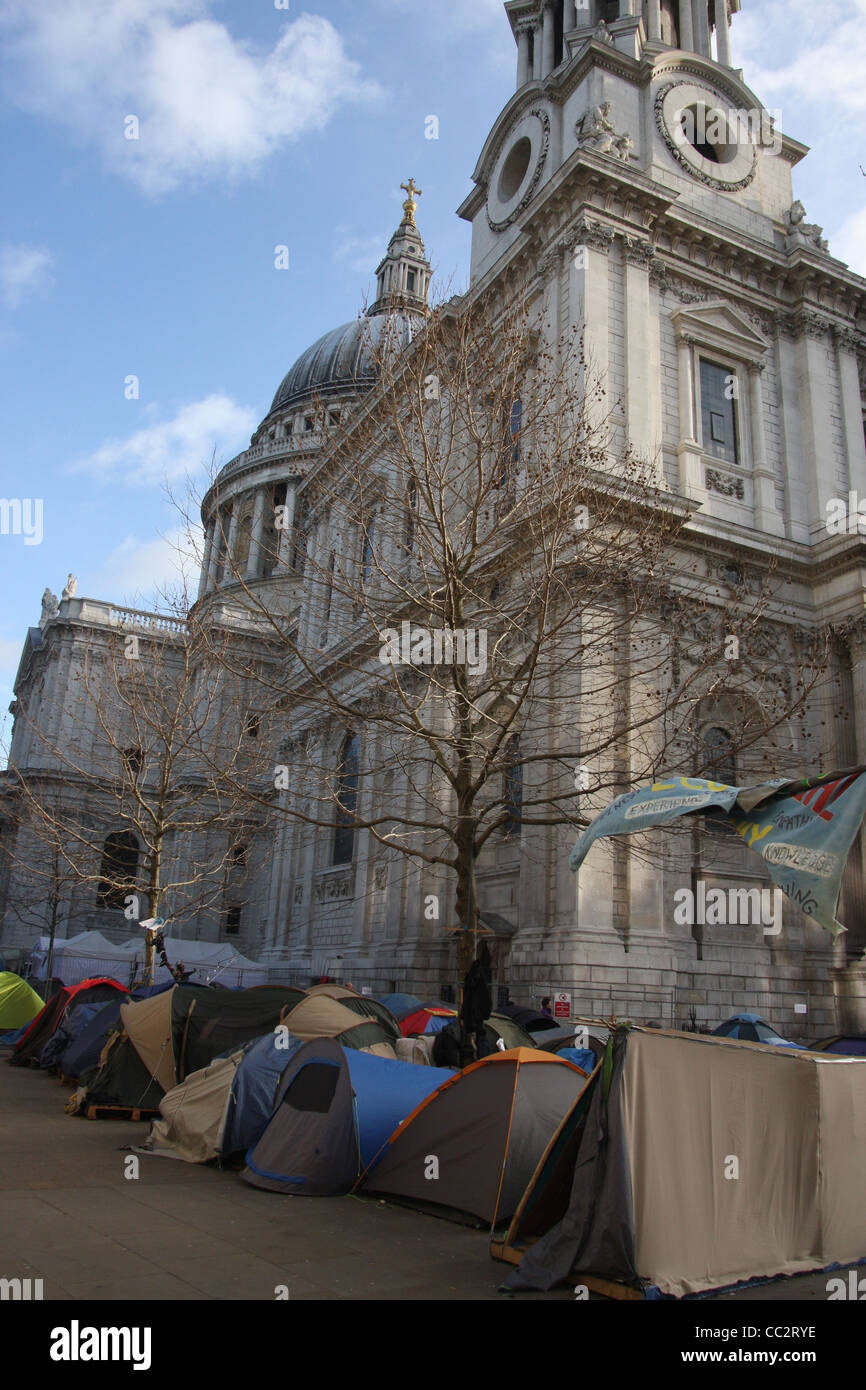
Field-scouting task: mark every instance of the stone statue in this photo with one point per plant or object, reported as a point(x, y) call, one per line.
point(71, 586)
point(595, 130)
point(601, 33)
point(49, 606)
point(799, 230)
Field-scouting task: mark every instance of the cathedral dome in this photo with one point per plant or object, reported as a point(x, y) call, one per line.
point(345, 358)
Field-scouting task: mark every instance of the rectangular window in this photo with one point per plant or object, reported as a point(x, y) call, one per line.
point(410, 281)
point(233, 921)
point(719, 412)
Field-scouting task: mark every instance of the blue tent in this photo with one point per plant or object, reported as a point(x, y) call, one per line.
point(335, 1108)
point(70, 1029)
point(401, 1005)
point(254, 1089)
point(582, 1057)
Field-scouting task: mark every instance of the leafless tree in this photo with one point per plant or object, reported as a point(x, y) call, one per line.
point(493, 597)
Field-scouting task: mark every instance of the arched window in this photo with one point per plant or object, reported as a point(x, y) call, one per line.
point(347, 799)
point(719, 759)
point(512, 787)
point(118, 870)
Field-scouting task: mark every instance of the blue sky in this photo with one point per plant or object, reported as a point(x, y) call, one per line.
point(260, 126)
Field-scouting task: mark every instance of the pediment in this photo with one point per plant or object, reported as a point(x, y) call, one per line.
point(718, 324)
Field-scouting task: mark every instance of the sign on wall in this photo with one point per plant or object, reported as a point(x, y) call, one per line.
point(562, 1004)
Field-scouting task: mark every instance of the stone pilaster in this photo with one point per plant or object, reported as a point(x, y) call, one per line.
point(767, 517)
point(643, 355)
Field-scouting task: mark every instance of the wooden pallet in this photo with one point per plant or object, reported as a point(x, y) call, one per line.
point(607, 1287)
point(119, 1112)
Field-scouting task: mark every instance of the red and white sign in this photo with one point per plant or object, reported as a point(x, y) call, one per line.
point(562, 1005)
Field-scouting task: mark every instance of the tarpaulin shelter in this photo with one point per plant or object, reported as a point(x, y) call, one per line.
point(319, 1016)
point(691, 1163)
point(211, 961)
point(486, 1127)
point(80, 957)
point(48, 1020)
point(19, 1003)
point(334, 1110)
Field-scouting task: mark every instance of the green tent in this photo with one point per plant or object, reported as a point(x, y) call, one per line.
point(18, 1002)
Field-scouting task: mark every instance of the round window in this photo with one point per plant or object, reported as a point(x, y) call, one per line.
point(707, 131)
point(515, 168)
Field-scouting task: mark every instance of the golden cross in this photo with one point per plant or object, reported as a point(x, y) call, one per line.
point(410, 204)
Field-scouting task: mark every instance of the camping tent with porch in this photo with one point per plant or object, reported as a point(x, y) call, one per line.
point(486, 1127)
point(762, 1148)
point(320, 1016)
point(334, 1110)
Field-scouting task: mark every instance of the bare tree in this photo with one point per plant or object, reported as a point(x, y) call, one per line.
point(493, 597)
point(119, 796)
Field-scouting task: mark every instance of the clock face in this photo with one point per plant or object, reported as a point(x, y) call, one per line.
point(517, 169)
point(707, 136)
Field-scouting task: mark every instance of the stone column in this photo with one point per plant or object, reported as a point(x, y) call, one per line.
point(548, 41)
point(686, 27)
point(723, 37)
point(231, 541)
point(287, 534)
point(701, 20)
point(569, 17)
point(767, 517)
point(852, 410)
point(536, 53)
point(216, 553)
point(252, 570)
point(522, 55)
point(654, 21)
point(206, 561)
point(643, 356)
point(689, 450)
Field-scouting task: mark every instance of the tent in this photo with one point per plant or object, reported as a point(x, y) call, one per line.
point(48, 1020)
point(334, 1110)
point(77, 957)
point(638, 1187)
point(19, 1004)
point(430, 1018)
point(486, 1128)
point(533, 1020)
point(362, 1004)
point(181, 1030)
point(319, 1016)
point(210, 961)
point(199, 1119)
point(400, 1004)
point(83, 1050)
point(850, 1045)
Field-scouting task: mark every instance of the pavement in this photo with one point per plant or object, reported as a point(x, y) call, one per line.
point(178, 1231)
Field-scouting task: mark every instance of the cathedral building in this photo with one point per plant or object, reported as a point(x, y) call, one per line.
point(636, 184)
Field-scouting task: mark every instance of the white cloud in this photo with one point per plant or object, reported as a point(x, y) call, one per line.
point(788, 49)
point(207, 103)
point(139, 572)
point(361, 253)
point(176, 448)
point(24, 270)
point(849, 242)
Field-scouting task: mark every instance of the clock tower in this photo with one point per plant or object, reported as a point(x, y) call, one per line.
point(639, 191)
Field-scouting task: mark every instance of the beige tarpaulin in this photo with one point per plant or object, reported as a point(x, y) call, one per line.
point(745, 1160)
point(148, 1024)
point(194, 1113)
point(693, 1163)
